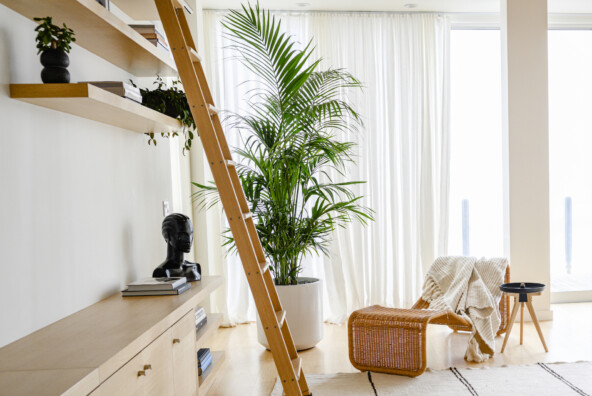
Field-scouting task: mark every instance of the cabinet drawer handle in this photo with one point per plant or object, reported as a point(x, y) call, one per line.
point(176, 341)
point(141, 373)
point(147, 367)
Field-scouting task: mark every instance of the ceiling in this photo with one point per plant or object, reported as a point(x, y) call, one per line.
point(476, 6)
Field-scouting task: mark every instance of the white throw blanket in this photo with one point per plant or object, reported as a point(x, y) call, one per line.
point(470, 288)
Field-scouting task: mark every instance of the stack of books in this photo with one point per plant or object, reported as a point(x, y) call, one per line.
point(119, 88)
point(204, 360)
point(152, 34)
point(200, 318)
point(157, 287)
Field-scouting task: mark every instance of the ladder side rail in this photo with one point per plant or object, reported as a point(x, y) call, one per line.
point(258, 248)
point(185, 28)
point(228, 196)
point(201, 76)
point(203, 83)
point(206, 92)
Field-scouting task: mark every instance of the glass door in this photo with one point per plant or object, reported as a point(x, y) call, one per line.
point(570, 164)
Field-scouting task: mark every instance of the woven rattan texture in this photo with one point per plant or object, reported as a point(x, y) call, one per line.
point(393, 340)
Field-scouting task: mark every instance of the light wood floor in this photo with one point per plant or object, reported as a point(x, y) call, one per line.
point(249, 368)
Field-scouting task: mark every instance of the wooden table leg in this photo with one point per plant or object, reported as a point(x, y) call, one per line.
point(536, 321)
point(521, 321)
point(511, 323)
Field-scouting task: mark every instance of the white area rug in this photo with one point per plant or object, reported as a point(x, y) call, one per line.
point(541, 379)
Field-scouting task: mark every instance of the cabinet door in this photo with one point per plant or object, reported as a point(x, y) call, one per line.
point(125, 381)
point(149, 373)
point(185, 356)
point(158, 358)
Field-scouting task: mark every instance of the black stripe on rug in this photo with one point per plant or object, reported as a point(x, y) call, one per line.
point(559, 377)
point(464, 381)
point(372, 383)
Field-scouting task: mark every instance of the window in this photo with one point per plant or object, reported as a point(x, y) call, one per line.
point(570, 162)
point(476, 187)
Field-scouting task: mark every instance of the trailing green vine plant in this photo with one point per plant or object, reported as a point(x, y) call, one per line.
point(50, 36)
point(172, 102)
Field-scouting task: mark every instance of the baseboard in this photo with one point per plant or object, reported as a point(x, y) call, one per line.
point(571, 297)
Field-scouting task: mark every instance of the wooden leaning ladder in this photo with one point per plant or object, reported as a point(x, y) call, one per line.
point(199, 97)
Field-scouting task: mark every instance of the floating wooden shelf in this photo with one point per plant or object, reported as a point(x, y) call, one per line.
point(102, 33)
point(203, 334)
point(143, 10)
point(94, 103)
point(206, 380)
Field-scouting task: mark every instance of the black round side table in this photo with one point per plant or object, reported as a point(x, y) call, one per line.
point(523, 292)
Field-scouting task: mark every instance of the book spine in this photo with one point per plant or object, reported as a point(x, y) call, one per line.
point(150, 31)
point(203, 352)
point(154, 36)
point(122, 89)
point(205, 363)
point(201, 324)
point(200, 318)
point(205, 360)
point(199, 311)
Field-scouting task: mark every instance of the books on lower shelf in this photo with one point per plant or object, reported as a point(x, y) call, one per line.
point(204, 360)
point(119, 88)
point(179, 290)
point(200, 318)
point(159, 44)
point(146, 29)
point(152, 34)
point(157, 284)
point(157, 287)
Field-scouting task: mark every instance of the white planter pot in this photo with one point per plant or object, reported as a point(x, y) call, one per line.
point(304, 311)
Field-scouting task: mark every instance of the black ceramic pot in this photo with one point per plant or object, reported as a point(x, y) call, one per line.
point(55, 63)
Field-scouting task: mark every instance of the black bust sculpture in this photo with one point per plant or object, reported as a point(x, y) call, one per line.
point(177, 231)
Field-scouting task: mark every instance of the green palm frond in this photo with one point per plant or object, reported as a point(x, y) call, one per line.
point(290, 150)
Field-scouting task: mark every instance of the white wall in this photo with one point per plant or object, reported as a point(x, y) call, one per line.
point(80, 201)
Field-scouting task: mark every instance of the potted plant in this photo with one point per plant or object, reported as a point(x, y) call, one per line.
point(53, 43)
point(290, 155)
point(172, 102)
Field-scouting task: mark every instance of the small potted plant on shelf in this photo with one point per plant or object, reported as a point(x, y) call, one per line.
point(53, 43)
point(172, 102)
point(291, 153)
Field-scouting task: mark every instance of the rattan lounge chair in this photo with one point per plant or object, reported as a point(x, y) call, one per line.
point(393, 340)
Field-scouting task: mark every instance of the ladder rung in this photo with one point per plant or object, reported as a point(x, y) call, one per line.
point(297, 364)
point(247, 215)
point(195, 57)
point(264, 266)
point(230, 163)
point(213, 110)
point(281, 316)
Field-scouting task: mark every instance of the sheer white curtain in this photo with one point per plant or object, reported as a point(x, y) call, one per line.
point(402, 60)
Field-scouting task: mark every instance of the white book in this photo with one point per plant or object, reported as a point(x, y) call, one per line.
point(200, 319)
point(179, 290)
point(157, 284)
point(199, 310)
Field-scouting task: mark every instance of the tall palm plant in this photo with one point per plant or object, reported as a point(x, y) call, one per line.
point(291, 151)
